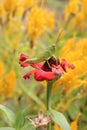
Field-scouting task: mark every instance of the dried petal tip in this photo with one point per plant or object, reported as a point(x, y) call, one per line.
point(41, 121)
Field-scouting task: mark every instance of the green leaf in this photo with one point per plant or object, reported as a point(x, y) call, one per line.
point(9, 114)
point(19, 123)
point(30, 94)
point(6, 128)
point(28, 126)
point(73, 110)
point(60, 119)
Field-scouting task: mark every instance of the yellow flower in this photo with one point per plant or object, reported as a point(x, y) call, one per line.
point(10, 30)
point(79, 8)
point(10, 5)
point(85, 83)
point(79, 20)
point(84, 6)
point(1, 86)
point(2, 13)
point(56, 127)
point(50, 20)
point(5, 54)
point(80, 17)
point(71, 8)
point(29, 3)
point(1, 10)
point(2, 71)
point(76, 53)
point(9, 85)
point(36, 22)
point(74, 124)
point(39, 21)
point(19, 11)
point(15, 43)
point(68, 47)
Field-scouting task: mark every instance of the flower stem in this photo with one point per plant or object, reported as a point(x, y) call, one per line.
point(49, 92)
point(49, 96)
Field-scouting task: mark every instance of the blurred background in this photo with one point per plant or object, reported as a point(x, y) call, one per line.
point(29, 27)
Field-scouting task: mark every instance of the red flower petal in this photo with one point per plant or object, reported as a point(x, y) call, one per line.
point(58, 70)
point(24, 64)
point(36, 65)
point(27, 76)
point(41, 75)
point(64, 64)
point(23, 58)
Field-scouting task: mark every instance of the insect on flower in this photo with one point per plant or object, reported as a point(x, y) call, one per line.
point(46, 71)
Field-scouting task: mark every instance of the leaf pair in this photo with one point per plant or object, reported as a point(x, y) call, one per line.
point(57, 117)
point(9, 114)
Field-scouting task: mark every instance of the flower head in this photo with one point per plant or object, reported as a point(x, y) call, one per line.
point(13, 5)
point(9, 84)
point(41, 121)
point(46, 71)
point(39, 21)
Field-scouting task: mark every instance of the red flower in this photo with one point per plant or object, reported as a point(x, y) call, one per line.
point(47, 71)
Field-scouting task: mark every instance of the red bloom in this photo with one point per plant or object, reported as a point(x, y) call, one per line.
point(47, 71)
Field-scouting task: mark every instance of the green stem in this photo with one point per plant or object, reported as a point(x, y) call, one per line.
point(49, 92)
point(49, 95)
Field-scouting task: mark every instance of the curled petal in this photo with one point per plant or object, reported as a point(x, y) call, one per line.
point(41, 75)
point(23, 57)
point(64, 64)
point(27, 76)
point(23, 63)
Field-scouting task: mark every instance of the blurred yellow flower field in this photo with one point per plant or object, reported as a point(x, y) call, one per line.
point(28, 28)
